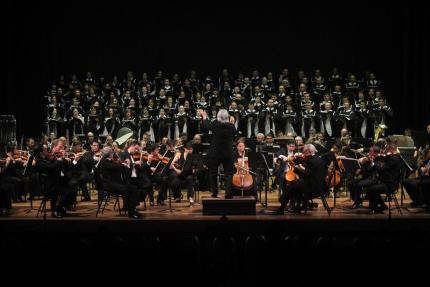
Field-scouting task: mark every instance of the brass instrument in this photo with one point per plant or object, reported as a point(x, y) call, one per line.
point(379, 129)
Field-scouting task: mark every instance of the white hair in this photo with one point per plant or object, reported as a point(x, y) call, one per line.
point(311, 148)
point(223, 116)
point(107, 151)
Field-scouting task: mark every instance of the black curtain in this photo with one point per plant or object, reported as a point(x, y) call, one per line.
point(45, 40)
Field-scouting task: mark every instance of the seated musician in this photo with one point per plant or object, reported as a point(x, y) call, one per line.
point(90, 160)
point(311, 182)
point(418, 187)
point(182, 165)
point(55, 166)
point(154, 171)
point(388, 170)
point(5, 190)
point(13, 179)
point(137, 171)
point(113, 173)
point(281, 160)
point(238, 156)
point(364, 177)
point(81, 168)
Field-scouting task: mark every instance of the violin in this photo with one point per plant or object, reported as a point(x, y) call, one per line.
point(20, 155)
point(162, 159)
point(137, 156)
point(73, 155)
point(242, 179)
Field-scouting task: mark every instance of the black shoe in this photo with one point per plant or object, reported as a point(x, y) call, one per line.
point(383, 207)
point(292, 209)
point(135, 215)
point(279, 211)
point(57, 214)
point(178, 200)
point(376, 211)
point(214, 195)
point(228, 196)
point(161, 202)
point(356, 206)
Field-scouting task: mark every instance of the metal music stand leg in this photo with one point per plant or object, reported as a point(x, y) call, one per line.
point(170, 209)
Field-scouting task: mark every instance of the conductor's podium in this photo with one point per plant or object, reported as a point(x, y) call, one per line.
point(231, 206)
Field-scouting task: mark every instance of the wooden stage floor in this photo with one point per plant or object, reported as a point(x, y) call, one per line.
point(183, 218)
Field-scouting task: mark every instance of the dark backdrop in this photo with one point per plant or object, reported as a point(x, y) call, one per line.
point(45, 40)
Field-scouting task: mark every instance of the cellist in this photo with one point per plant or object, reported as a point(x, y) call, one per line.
point(243, 181)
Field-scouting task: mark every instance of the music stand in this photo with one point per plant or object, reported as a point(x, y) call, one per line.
point(271, 149)
point(199, 160)
point(29, 163)
point(258, 161)
point(408, 161)
point(321, 149)
point(361, 142)
point(282, 142)
point(251, 143)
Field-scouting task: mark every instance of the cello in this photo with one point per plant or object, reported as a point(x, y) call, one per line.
point(334, 174)
point(242, 179)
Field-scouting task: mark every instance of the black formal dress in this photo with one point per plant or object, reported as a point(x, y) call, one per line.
point(220, 152)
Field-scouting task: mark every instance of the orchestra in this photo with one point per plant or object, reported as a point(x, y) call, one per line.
point(183, 131)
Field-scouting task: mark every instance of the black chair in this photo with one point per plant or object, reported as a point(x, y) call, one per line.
point(45, 196)
point(103, 199)
point(391, 195)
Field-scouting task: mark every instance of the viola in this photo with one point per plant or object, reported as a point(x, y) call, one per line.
point(290, 175)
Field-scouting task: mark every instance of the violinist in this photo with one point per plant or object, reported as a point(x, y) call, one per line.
point(150, 171)
point(311, 182)
point(135, 159)
point(5, 190)
point(90, 159)
point(388, 170)
point(364, 177)
point(79, 169)
point(56, 168)
point(113, 174)
point(14, 164)
point(182, 165)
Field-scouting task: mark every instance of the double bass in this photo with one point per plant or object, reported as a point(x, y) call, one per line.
point(242, 179)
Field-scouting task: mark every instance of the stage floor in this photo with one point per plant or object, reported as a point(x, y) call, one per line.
point(183, 218)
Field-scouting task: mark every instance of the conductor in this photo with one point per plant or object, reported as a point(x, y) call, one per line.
point(221, 149)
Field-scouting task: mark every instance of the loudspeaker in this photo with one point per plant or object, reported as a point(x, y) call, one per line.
point(233, 206)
